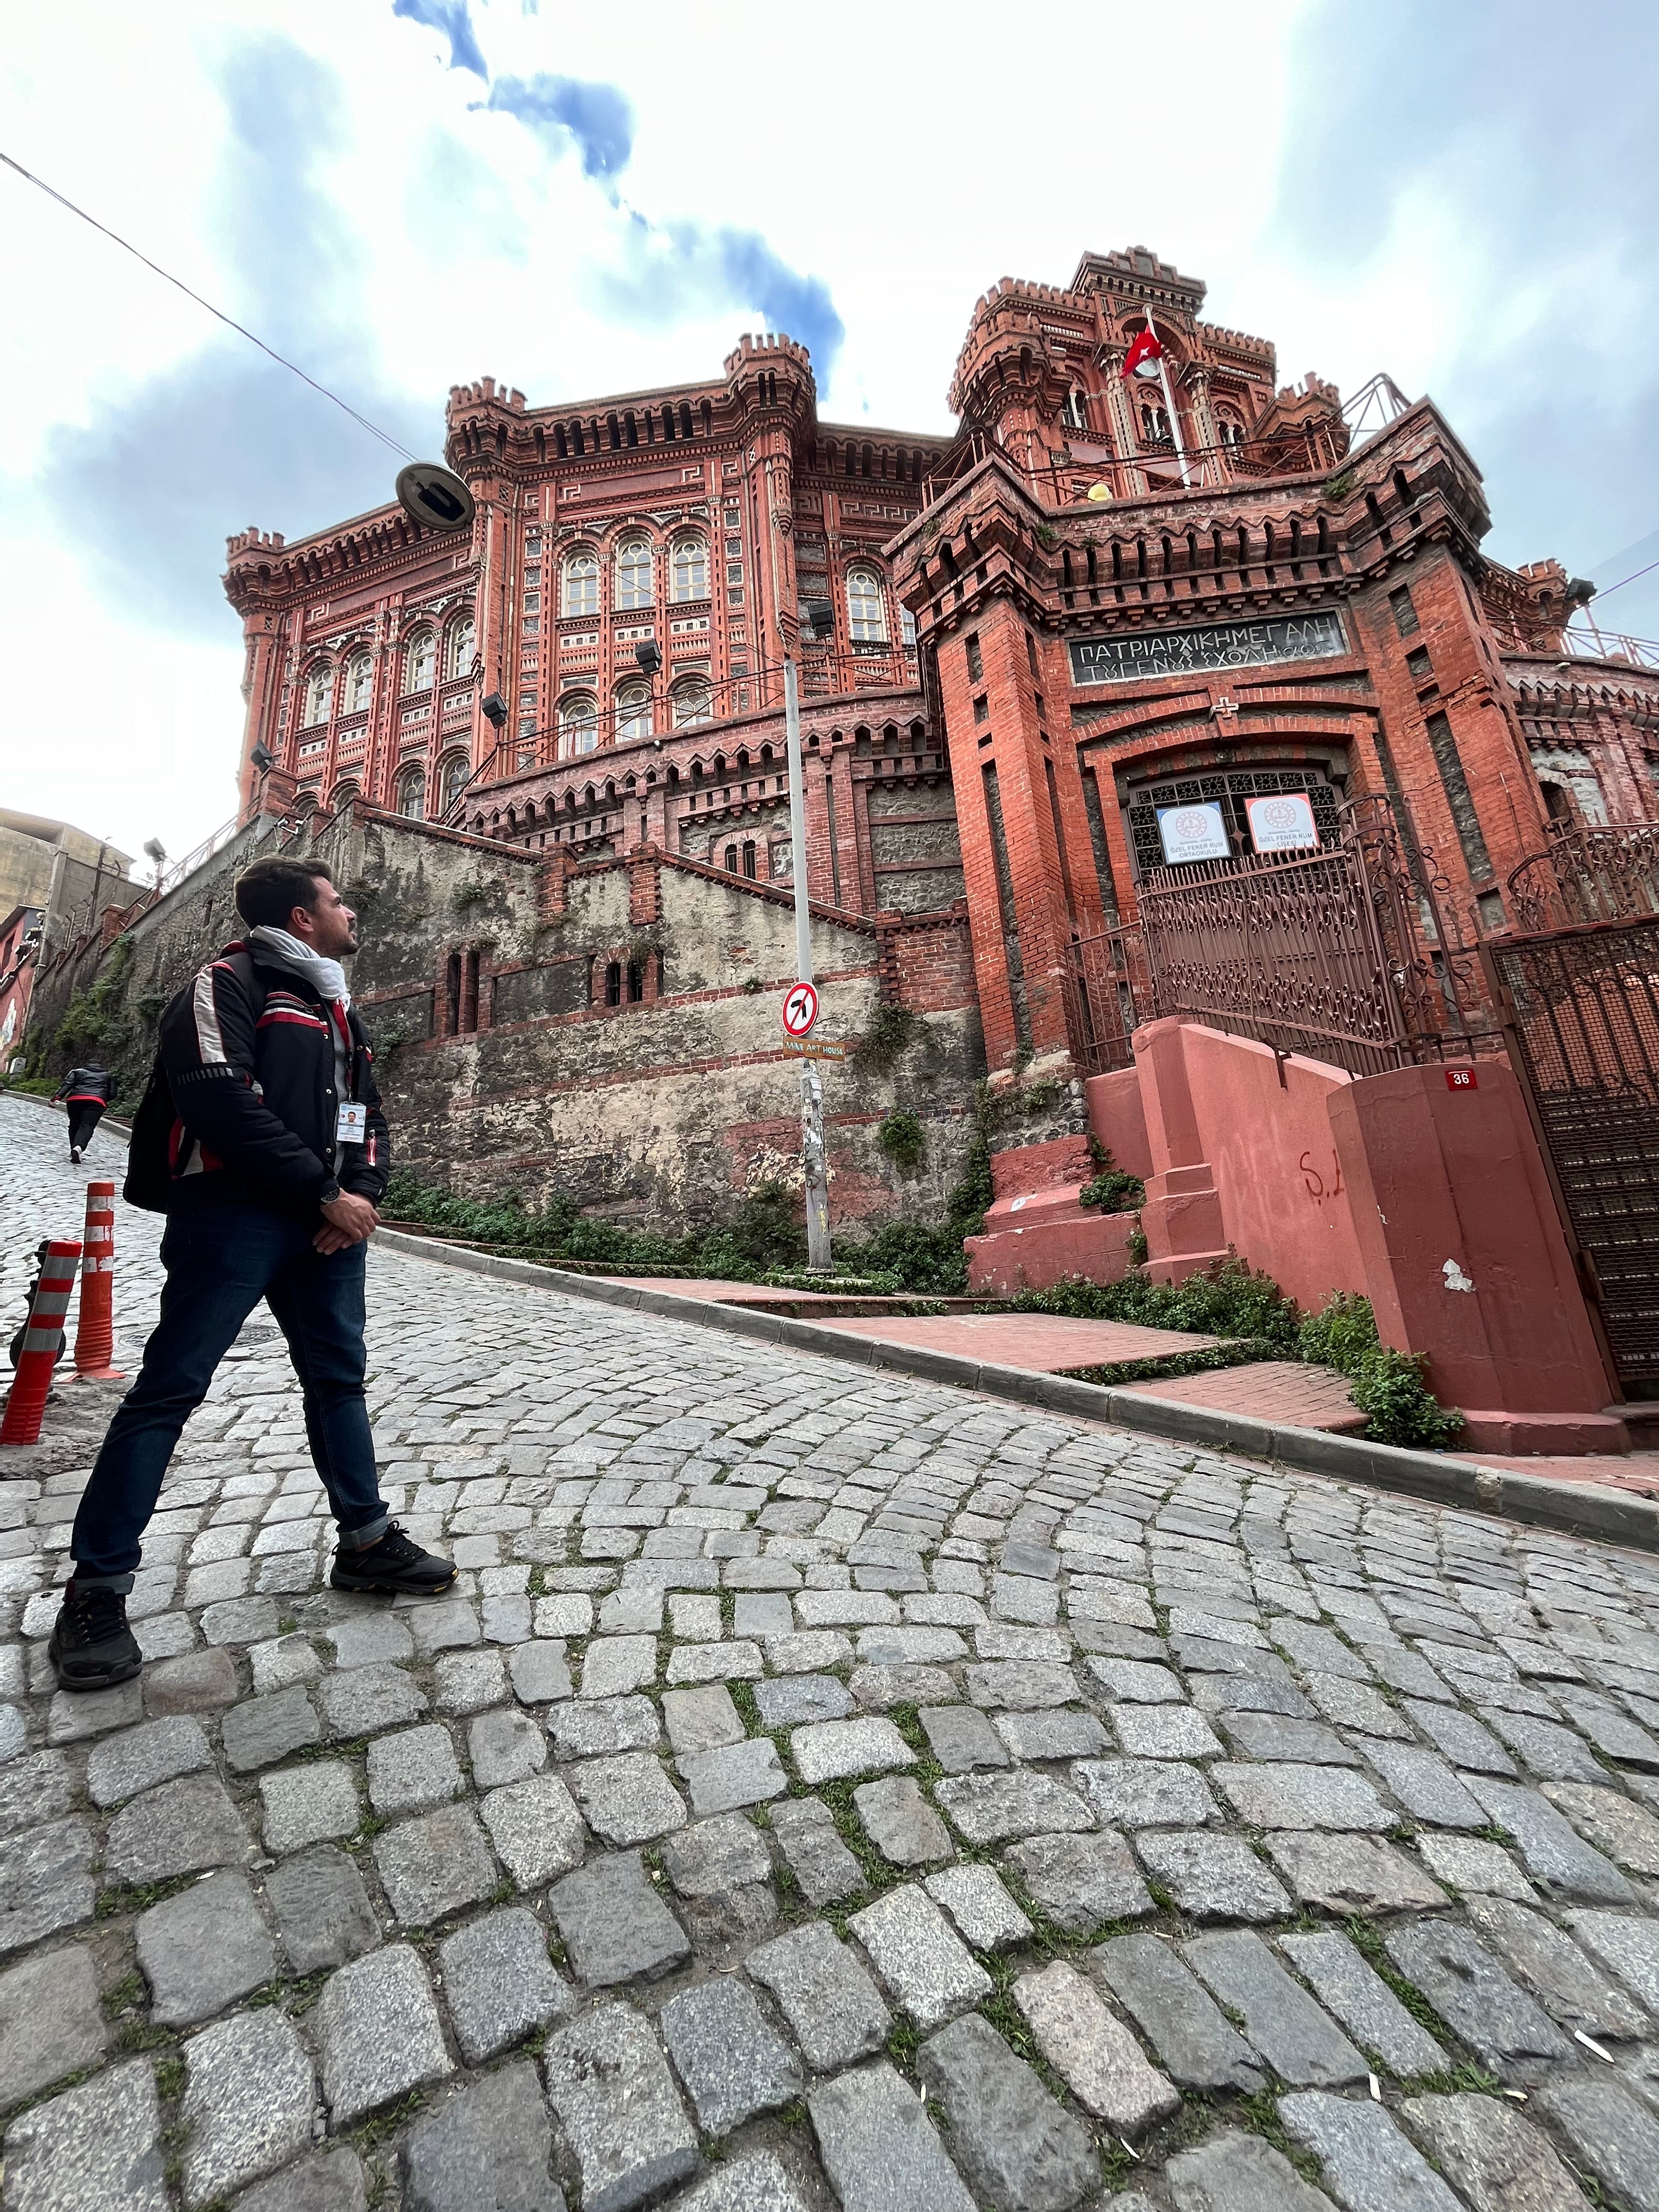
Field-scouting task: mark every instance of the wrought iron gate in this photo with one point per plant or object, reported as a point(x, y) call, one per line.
point(1339, 953)
point(1578, 984)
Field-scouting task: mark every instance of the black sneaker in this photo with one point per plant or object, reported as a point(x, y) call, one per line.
point(396, 1563)
point(75, 1154)
point(92, 1648)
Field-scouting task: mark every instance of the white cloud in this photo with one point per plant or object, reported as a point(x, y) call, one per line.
point(907, 167)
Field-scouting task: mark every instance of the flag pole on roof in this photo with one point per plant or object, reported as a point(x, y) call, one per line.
point(1146, 358)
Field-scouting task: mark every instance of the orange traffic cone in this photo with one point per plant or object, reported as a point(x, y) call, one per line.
point(26, 1401)
point(94, 1331)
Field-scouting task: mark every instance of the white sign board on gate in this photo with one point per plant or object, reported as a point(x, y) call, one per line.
point(1282, 822)
point(1194, 833)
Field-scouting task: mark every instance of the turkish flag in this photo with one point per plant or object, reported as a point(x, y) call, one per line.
point(1145, 348)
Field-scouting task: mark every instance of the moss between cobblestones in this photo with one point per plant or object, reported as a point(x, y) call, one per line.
point(1449, 2082)
point(122, 1897)
point(1259, 2114)
point(1368, 1941)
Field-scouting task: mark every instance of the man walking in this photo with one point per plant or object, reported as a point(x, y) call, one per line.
point(84, 1093)
point(261, 1137)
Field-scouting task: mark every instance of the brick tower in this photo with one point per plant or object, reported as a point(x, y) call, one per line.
point(1133, 616)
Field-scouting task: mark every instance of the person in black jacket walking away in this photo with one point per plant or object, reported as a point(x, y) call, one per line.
point(85, 1093)
point(261, 1137)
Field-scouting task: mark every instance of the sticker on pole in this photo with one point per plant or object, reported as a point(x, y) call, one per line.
point(800, 1009)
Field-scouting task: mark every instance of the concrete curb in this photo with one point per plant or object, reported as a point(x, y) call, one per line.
point(1578, 1509)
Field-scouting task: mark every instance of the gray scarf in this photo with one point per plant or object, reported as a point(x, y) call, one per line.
point(326, 975)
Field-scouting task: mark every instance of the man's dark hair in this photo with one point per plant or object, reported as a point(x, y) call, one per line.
point(268, 892)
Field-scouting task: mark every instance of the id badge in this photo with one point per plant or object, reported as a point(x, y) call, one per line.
point(351, 1125)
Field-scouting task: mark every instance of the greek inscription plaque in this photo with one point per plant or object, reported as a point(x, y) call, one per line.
point(1218, 645)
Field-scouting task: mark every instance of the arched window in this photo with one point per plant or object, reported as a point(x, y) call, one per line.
point(360, 682)
point(451, 776)
point(692, 701)
point(1232, 434)
point(581, 583)
point(343, 794)
point(749, 859)
point(462, 636)
point(319, 693)
point(411, 791)
point(420, 661)
point(633, 574)
point(1155, 425)
point(579, 724)
point(866, 614)
point(690, 568)
point(632, 713)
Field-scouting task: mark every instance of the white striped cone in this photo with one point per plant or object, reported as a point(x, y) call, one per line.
point(26, 1401)
point(95, 1333)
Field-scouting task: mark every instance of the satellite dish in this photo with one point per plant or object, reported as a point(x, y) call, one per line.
point(434, 495)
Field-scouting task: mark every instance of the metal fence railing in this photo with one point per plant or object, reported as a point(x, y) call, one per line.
point(1340, 952)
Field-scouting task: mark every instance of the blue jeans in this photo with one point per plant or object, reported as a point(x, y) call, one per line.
point(220, 1263)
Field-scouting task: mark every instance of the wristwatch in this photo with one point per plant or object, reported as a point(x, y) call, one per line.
point(330, 1192)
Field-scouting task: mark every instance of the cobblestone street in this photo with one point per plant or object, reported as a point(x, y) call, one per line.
point(819, 1789)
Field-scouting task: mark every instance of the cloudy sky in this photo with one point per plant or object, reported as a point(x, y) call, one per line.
point(402, 196)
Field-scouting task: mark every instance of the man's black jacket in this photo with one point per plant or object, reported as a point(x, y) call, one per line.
point(84, 1083)
point(243, 1101)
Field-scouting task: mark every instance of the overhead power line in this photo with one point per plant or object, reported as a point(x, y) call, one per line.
point(1623, 580)
point(362, 420)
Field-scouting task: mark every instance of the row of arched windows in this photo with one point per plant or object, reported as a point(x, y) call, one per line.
point(634, 577)
point(409, 792)
point(355, 674)
point(690, 701)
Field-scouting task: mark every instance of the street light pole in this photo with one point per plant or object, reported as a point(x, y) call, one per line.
point(812, 1087)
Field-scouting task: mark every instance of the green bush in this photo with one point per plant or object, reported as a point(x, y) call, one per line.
point(1113, 1192)
point(1341, 1335)
point(904, 1139)
point(1398, 1405)
point(761, 1236)
point(1226, 1298)
point(929, 1262)
point(1389, 1386)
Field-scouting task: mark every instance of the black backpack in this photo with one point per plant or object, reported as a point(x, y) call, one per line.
point(148, 1182)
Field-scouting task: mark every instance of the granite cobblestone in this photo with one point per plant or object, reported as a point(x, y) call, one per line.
point(795, 1732)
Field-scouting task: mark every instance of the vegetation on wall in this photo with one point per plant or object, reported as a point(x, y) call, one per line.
point(902, 1138)
point(1111, 1190)
point(761, 1241)
point(761, 1236)
point(888, 1031)
point(96, 1028)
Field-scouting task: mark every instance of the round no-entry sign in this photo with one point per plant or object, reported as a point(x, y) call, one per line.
point(800, 1009)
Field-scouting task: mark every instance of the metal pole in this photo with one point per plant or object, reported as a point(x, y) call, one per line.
point(812, 1089)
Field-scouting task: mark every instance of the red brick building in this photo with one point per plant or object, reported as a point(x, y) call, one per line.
point(1111, 623)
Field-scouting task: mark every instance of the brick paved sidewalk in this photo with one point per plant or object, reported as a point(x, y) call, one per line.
point(1043, 1344)
point(1284, 1392)
point(820, 1788)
